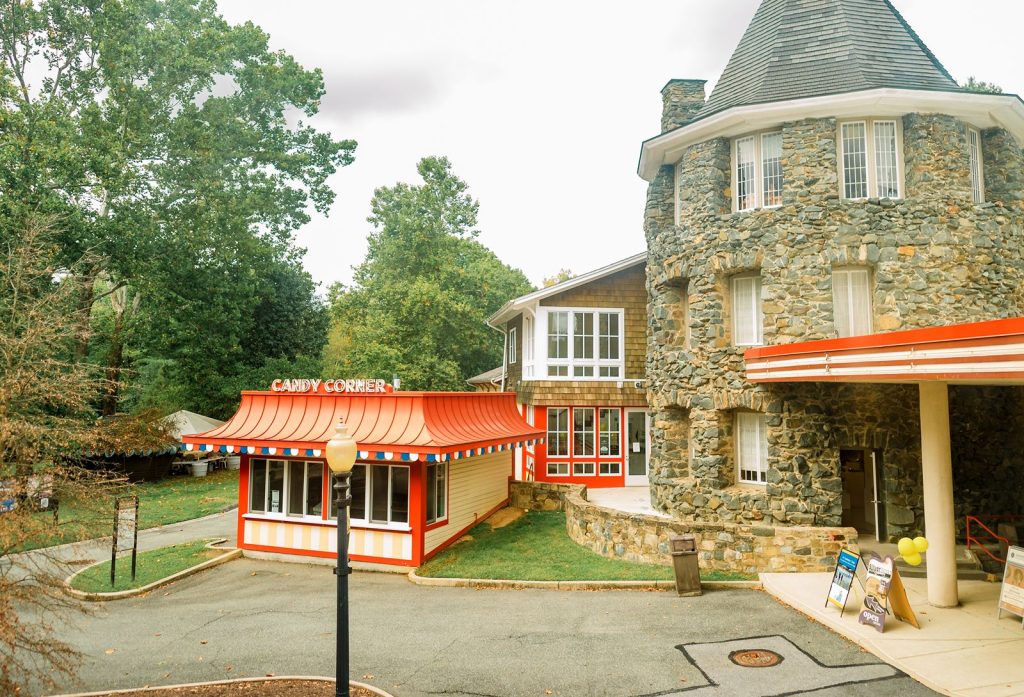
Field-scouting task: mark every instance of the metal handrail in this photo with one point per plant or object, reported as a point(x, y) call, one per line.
point(977, 519)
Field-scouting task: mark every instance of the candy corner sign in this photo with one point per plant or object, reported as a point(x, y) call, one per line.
point(318, 386)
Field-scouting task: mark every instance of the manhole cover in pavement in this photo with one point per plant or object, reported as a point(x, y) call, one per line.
point(755, 658)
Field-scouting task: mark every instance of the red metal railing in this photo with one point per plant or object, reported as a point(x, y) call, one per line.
point(974, 542)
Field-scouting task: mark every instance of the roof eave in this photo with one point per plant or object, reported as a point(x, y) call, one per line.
point(984, 110)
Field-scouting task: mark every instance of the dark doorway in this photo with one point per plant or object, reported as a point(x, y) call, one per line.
point(863, 508)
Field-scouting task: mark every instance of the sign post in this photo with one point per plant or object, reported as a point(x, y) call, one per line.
point(1011, 594)
point(126, 532)
point(842, 579)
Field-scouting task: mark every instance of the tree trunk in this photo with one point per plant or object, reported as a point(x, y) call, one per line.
point(86, 284)
point(115, 361)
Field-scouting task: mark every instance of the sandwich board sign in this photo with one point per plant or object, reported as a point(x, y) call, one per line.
point(842, 579)
point(1011, 594)
point(883, 590)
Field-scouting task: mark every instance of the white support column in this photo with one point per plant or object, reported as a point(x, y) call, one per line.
point(937, 477)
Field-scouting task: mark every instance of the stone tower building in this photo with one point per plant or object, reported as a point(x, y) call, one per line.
point(836, 183)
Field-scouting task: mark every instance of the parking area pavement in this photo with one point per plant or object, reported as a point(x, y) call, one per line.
point(250, 618)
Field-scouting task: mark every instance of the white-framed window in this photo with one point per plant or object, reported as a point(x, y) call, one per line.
point(585, 343)
point(757, 171)
point(527, 347)
point(870, 157)
point(293, 488)
point(583, 469)
point(558, 469)
point(977, 166)
point(380, 495)
point(583, 431)
point(609, 433)
point(851, 301)
point(437, 491)
point(558, 432)
point(751, 448)
point(747, 316)
point(512, 337)
point(610, 469)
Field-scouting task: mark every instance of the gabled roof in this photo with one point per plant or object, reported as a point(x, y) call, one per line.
point(434, 425)
point(491, 377)
point(184, 422)
point(805, 48)
point(516, 305)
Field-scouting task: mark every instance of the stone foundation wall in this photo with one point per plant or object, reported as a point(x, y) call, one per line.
point(540, 496)
point(732, 547)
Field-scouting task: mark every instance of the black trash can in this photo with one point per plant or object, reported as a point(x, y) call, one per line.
point(684, 561)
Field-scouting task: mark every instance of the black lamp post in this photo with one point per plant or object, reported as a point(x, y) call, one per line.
point(341, 456)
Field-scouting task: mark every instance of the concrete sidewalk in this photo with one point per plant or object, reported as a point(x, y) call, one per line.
point(962, 651)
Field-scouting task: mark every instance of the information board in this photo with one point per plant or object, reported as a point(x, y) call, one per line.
point(127, 519)
point(1011, 595)
point(842, 579)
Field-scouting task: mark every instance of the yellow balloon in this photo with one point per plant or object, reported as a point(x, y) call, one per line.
point(913, 559)
point(920, 544)
point(906, 546)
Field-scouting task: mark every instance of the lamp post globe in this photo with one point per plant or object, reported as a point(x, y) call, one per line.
point(341, 453)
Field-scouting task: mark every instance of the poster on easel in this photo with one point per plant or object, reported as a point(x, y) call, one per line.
point(1011, 594)
point(876, 592)
point(842, 579)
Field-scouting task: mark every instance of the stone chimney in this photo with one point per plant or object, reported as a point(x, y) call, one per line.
point(681, 100)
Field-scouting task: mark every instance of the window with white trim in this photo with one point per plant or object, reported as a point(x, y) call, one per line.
point(583, 431)
point(610, 469)
point(751, 448)
point(977, 167)
point(512, 337)
point(380, 495)
point(851, 301)
point(558, 432)
point(437, 491)
point(558, 469)
point(869, 156)
point(610, 433)
point(757, 171)
point(286, 487)
point(747, 316)
point(585, 344)
point(527, 347)
point(583, 469)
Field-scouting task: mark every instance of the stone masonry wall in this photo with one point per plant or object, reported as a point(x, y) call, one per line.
point(934, 258)
point(540, 496)
point(741, 548)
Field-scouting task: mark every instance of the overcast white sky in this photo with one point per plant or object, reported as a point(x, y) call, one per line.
point(540, 106)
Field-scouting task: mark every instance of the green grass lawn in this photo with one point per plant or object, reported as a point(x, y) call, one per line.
point(537, 548)
point(169, 500)
point(150, 566)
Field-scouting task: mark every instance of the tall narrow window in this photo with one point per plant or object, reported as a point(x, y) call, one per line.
point(558, 431)
point(855, 160)
point(851, 301)
point(870, 159)
point(558, 343)
point(751, 448)
point(513, 337)
point(747, 318)
point(610, 438)
point(437, 492)
point(583, 431)
point(977, 173)
point(745, 168)
point(583, 343)
point(608, 338)
point(771, 169)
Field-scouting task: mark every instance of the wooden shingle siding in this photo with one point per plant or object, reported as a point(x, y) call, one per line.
point(476, 485)
point(514, 371)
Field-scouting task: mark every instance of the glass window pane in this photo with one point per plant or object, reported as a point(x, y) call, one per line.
point(745, 174)
point(258, 486)
point(442, 490)
point(841, 302)
point(860, 302)
point(358, 489)
point(275, 486)
point(610, 433)
point(751, 447)
point(399, 494)
point(296, 486)
point(558, 431)
point(583, 335)
point(379, 496)
point(558, 335)
point(431, 493)
point(583, 431)
point(974, 148)
point(886, 170)
point(314, 488)
point(746, 308)
point(609, 333)
point(771, 169)
point(855, 161)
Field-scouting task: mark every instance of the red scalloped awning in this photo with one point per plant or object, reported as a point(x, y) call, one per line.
point(384, 425)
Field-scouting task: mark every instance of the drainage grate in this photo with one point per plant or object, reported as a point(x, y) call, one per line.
point(755, 658)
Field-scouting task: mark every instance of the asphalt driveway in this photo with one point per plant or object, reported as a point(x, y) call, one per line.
point(249, 618)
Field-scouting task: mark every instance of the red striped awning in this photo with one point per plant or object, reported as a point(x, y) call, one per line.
point(386, 426)
point(981, 353)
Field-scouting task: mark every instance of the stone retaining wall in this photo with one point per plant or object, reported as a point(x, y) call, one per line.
point(721, 546)
point(540, 496)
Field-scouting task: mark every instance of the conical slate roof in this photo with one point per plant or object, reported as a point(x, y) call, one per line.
point(807, 48)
